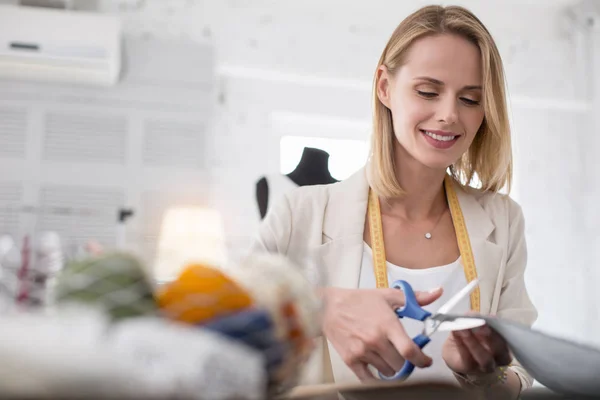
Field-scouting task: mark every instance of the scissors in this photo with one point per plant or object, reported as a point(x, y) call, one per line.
point(413, 310)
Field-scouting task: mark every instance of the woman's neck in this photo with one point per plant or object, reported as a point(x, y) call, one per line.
point(423, 186)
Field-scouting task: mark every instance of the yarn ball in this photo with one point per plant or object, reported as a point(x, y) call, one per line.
point(115, 282)
point(202, 293)
point(283, 288)
point(280, 285)
point(254, 328)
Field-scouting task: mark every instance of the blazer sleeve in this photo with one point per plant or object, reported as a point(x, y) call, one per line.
point(275, 230)
point(514, 303)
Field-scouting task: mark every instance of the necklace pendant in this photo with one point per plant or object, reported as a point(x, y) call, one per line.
point(428, 235)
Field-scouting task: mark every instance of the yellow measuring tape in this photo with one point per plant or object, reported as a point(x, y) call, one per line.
point(462, 236)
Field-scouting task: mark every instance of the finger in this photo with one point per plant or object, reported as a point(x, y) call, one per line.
point(424, 298)
point(391, 356)
point(495, 345)
point(379, 363)
point(378, 343)
point(406, 347)
point(395, 297)
point(462, 349)
point(362, 372)
point(480, 354)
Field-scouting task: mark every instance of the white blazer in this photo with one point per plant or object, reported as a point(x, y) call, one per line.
point(328, 221)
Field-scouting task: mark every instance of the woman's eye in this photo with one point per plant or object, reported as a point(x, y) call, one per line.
point(469, 102)
point(426, 94)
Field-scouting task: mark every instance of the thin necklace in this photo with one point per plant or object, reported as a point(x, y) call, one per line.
point(428, 234)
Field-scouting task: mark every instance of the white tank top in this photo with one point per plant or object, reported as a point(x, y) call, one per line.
point(452, 278)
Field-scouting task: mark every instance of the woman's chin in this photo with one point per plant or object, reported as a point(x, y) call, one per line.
point(437, 163)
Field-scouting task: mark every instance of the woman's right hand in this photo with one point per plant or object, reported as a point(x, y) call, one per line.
point(364, 329)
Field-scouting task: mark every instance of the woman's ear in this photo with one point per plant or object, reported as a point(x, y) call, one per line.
point(383, 85)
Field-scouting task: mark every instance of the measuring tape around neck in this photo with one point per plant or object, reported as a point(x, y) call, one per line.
point(460, 228)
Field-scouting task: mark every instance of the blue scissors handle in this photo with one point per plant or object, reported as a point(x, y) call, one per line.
point(413, 310)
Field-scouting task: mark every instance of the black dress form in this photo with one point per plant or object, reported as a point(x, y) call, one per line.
point(313, 169)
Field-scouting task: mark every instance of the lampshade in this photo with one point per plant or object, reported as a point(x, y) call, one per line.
point(189, 235)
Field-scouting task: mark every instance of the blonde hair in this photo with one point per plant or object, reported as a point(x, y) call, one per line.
point(489, 158)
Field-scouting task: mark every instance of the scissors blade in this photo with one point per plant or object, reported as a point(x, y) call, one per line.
point(458, 323)
point(454, 300)
point(433, 323)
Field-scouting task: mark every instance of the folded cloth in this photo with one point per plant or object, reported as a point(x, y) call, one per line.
point(84, 354)
point(254, 328)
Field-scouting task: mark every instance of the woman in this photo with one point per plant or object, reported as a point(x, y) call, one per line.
point(440, 125)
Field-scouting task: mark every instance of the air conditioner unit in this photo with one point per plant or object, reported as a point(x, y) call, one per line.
point(59, 46)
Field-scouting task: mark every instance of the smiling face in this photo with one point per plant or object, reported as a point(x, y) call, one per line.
point(435, 99)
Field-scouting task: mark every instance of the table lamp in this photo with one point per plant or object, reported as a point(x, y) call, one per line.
point(189, 235)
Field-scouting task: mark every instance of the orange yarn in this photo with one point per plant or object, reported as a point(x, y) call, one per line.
point(294, 330)
point(201, 293)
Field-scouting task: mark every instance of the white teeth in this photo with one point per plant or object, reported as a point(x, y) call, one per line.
point(440, 137)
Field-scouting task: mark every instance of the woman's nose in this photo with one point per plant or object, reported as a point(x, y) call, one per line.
point(448, 111)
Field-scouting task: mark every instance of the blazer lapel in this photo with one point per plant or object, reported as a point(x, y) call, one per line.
point(487, 254)
point(342, 247)
point(343, 227)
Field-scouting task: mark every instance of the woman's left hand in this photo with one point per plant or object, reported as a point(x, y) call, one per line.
point(475, 351)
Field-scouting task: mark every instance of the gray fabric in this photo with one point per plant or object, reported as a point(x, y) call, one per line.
point(561, 365)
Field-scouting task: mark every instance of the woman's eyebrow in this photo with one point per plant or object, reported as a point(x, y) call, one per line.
point(440, 83)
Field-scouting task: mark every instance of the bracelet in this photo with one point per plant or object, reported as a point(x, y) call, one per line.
point(499, 376)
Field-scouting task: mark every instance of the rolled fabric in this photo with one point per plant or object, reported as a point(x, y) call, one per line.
point(115, 282)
